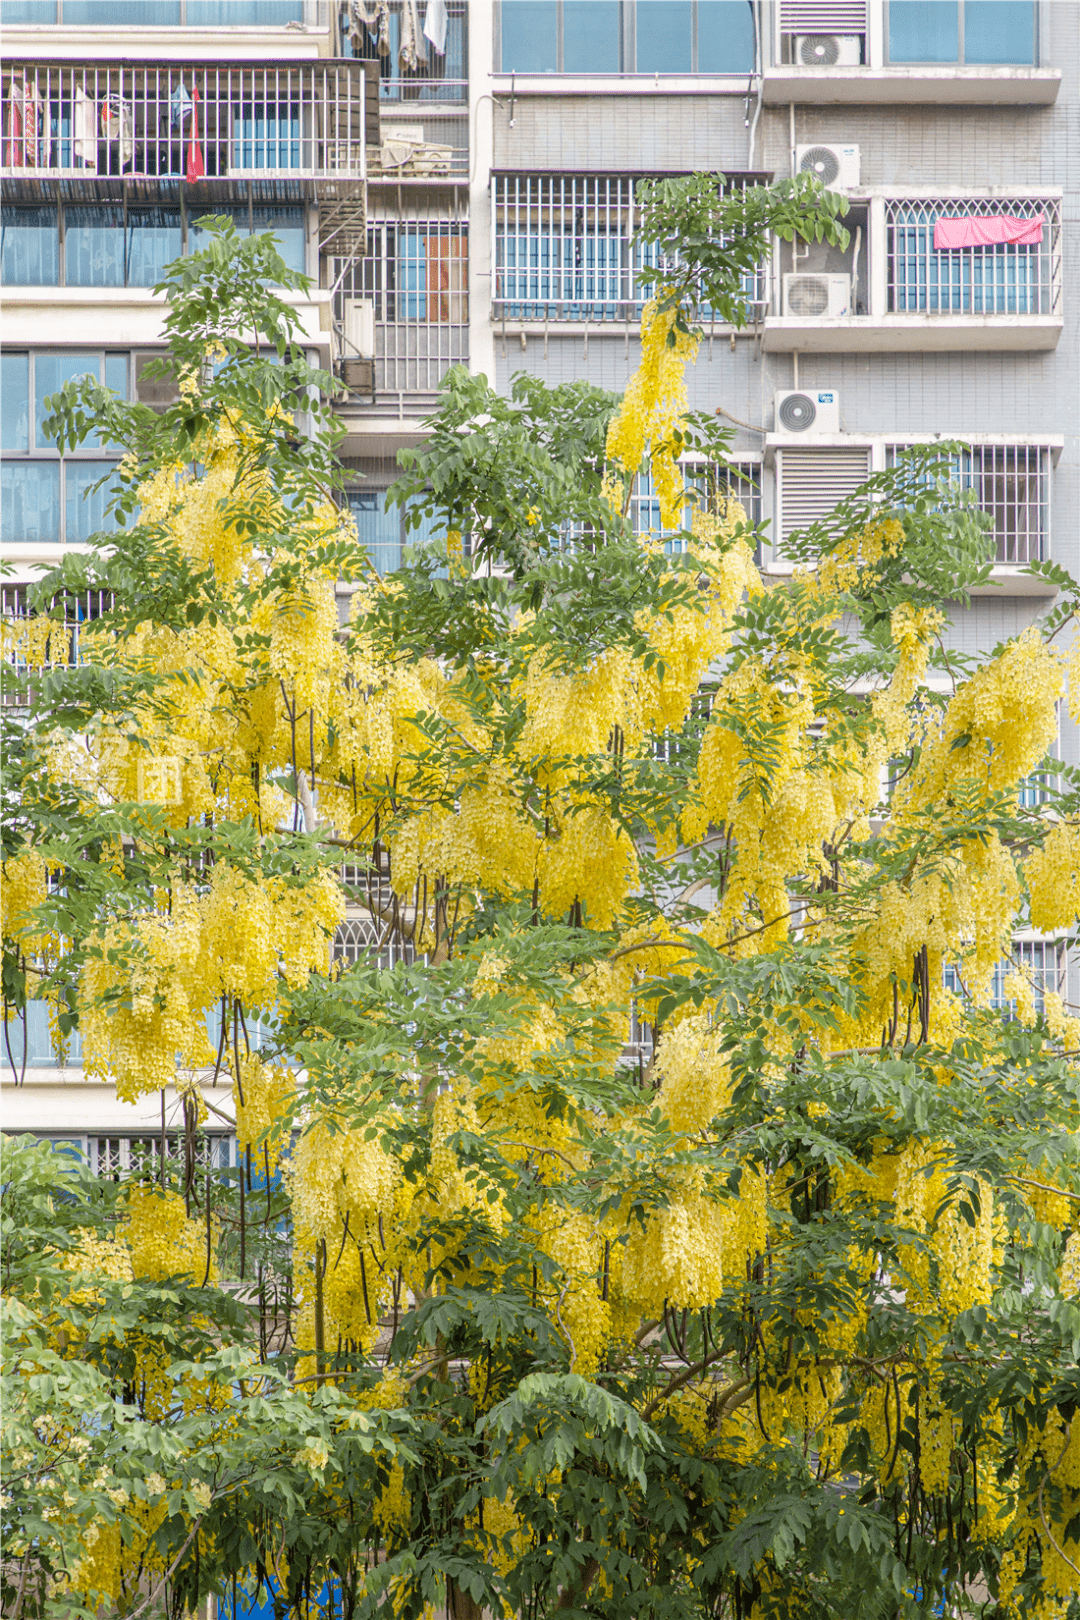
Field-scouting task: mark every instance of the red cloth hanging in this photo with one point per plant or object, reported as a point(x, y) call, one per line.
point(196, 165)
point(987, 230)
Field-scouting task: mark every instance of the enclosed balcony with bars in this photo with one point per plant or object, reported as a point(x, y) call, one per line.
point(565, 250)
point(193, 121)
point(406, 301)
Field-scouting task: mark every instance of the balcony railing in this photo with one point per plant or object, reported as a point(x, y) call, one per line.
point(448, 91)
point(303, 121)
point(1011, 483)
point(1007, 260)
point(565, 250)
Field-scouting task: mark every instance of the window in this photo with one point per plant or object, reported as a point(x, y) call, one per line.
point(1040, 962)
point(45, 497)
point(970, 31)
point(1011, 483)
point(626, 36)
point(737, 480)
point(382, 529)
point(358, 941)
point(124, 245)
point(156, 13)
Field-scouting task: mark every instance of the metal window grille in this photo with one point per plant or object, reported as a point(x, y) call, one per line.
point(565, 249)
point(304, 121)
point(734, 480)
point(116, 1157)
point(78, 609)
point(810, 483)
point(823, 16)
point(358, 940)
point(1011, 484)
point(415, 272)
point(1004, 279)
point(1041, 962)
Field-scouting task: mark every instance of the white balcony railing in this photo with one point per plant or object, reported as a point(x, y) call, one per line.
point(300, 121)
point(565, 249)
point(1018, 274)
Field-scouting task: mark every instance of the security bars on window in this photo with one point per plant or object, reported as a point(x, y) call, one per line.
point(1011, 483)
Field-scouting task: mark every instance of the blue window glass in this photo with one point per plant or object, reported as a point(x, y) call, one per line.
point(529, 43)
point(153, 240)
point(27, 11)
point(29, 247)
point(412, 276)
point(591, 36)
point(379, 529)
point(287, 224)
point(30, 500)
point(121, 13)
point(266, 135)
point(725, 37)
point(116, 374)
point(51, 371)
point(664, 39)
point(15, 401)
point(84, 507)
point(31, 1041)
point(999, 31)
point(243, 13)
point(924, 30)
point(94, 246)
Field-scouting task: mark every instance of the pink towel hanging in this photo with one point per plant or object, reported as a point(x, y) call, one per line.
point(987, 230)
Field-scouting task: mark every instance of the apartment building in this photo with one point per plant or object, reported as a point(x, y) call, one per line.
point(460, 179)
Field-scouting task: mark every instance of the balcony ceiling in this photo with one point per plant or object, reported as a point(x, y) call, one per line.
point(910, 334)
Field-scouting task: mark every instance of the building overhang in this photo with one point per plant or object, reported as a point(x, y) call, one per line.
point(910, 334)
point(890, 86)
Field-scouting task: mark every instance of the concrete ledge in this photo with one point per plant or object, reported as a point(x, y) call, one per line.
point(910, 334)
point(52, 42)
point(120, 317)
point(955, 86)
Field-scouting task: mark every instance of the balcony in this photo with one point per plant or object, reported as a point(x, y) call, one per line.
point(108, 127)
point(945, 271)
point(159, 30)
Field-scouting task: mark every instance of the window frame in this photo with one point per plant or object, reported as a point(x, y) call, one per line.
point(188, 234)
point(627, 50)
point(49, 455)
point(59, 21)
point(961, 47)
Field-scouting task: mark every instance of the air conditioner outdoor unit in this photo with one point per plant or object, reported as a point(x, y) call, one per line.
point(358, 374)
point(359, 326)
point(809, 410)
point(810, 295)
point(827, 50)
point(157, 392)
point(835, 166)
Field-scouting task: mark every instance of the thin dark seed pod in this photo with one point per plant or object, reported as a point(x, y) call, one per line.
point(269, 1201)
point(320, 1254)
point(206, 1276)
point(236, 1054)
point(344, 1238)
point(161, 1167)
point(243, 1225)
point(221, 1041)
point(363, 1280)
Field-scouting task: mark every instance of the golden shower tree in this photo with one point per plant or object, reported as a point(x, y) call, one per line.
point(675, 1229)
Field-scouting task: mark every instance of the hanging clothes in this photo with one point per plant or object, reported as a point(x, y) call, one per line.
point(118, 124)
point(411, 52)
point(987, 230)
point(84, 130)
point(179, 107)
point(435, 22)
point(25, 126)
point(196, 163)
point(372, 16)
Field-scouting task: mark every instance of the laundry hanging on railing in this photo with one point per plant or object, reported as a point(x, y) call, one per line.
point(196, 163)
point(987, 230)
point(435, 23)
point(412, 51)
point(117, 123)
point(25, 128)
point(84, 129)
point(374, 17)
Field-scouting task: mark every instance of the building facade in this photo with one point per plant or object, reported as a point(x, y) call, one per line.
point(460, 182)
